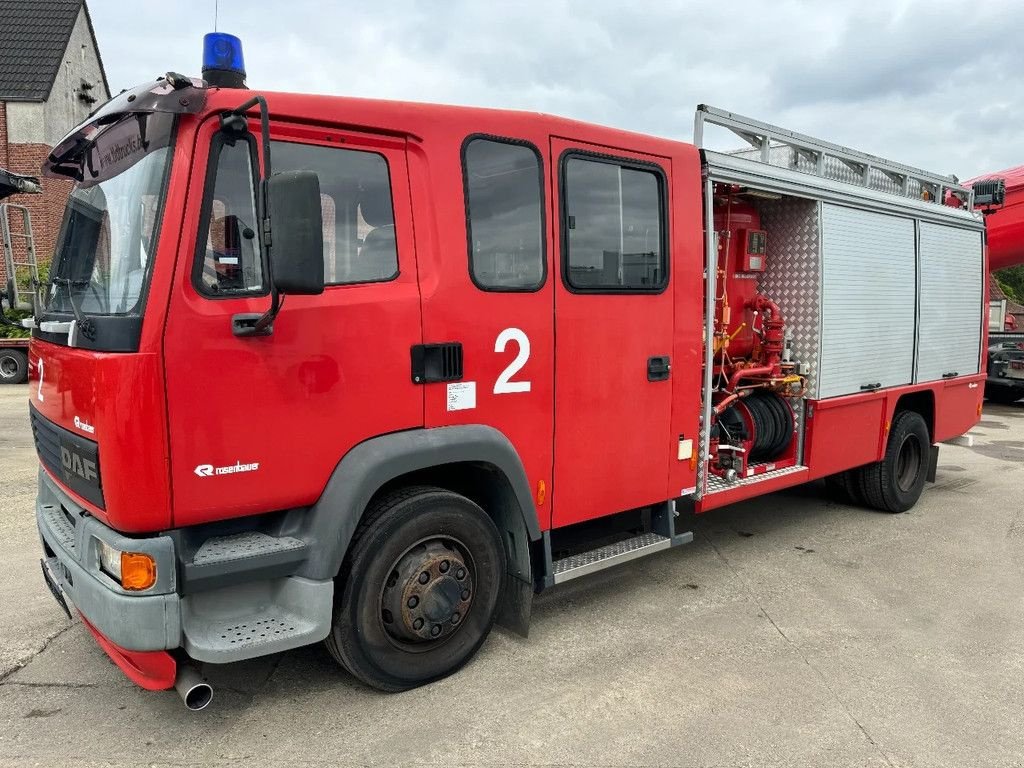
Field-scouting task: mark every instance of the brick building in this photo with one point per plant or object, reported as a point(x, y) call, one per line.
point(996, 293)
point(51, 78)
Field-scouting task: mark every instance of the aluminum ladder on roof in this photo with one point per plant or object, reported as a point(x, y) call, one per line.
point(23, 271)
point(827, 160)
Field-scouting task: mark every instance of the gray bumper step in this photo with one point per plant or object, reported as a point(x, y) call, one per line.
point(598, 559)
point(223, 560)
point(239, 546)
point(256, 619)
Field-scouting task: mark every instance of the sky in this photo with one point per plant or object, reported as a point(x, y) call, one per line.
point(932, 84)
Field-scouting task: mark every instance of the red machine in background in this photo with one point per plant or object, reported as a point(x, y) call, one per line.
point(1006, 223)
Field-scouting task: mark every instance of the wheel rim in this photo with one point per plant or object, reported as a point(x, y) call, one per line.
point(428, 593)
point(908, 463)
point(8, 367)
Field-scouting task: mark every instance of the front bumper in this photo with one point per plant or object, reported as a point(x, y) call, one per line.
point(135, 621)
point(237, 604)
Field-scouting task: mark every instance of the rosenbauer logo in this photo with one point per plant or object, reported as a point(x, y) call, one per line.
point(208, 470)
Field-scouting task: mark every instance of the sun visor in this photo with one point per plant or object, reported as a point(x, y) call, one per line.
point(173, 94)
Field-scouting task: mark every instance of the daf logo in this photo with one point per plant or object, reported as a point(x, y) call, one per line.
point(72, 462)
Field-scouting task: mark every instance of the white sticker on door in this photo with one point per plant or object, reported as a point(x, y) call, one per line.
point(461, 395)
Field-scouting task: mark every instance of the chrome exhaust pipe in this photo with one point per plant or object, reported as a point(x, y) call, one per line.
point(193, 689)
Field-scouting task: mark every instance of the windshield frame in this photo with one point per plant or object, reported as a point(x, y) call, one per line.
point(115, 332)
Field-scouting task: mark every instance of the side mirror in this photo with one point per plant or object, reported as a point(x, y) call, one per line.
point(296, 221)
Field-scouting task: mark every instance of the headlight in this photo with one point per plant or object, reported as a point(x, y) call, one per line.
point(110, 559)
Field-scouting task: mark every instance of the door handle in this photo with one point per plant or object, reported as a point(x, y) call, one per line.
point(658, 368)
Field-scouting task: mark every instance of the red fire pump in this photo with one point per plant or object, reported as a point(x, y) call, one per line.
point(754, 375)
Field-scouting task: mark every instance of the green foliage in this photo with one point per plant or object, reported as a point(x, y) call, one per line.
point(7, 332)
point(1011, 280)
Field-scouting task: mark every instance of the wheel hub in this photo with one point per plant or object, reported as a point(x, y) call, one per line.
point(428, 593)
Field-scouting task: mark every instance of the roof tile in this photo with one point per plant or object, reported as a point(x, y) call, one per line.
point(33, 37)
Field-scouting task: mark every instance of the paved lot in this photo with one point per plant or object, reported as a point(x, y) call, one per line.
point(792, 632)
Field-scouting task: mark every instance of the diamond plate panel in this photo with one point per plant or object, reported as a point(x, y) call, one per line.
point(242, 545)
point(792, 276)
point(717, 484)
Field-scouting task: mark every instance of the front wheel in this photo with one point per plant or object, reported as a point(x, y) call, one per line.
point(895, 483)
point(417, 594)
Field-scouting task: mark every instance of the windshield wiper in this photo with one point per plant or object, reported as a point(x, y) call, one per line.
point(85, 324)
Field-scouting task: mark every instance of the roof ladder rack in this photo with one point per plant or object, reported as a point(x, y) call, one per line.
point(822, 157)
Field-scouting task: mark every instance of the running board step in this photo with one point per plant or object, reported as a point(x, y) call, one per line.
point(225, 559)
point(581, 564)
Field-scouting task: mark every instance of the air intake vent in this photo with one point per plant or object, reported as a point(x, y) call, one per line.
point(436, 362)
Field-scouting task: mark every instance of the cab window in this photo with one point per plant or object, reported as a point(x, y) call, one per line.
point(358, 217)
point(505, 225)
point(229, 261)
point(614, 226)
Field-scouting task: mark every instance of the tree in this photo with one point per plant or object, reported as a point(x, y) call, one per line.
point(1011, 280)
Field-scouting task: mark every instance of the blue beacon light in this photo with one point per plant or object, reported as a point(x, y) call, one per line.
point(223, 64)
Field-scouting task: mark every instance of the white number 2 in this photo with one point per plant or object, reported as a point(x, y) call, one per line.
point(504, 385)
point(39, 391)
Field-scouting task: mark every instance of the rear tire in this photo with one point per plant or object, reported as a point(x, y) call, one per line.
point(13, 366)
point(842, 488)
point(417, 594)
point(895, 483)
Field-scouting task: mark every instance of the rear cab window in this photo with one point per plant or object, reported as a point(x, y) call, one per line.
point(504, 213)
point(614, 217)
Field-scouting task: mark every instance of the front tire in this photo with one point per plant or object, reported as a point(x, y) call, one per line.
point(417, 594)
point(895, 483)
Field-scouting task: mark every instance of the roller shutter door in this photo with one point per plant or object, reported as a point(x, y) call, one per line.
point(951, 302)
point(868, 300)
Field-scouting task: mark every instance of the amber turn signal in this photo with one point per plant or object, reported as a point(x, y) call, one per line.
point(138, 570)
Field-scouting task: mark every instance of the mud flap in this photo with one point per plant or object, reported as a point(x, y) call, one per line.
point(933, 463)
point(515, 606)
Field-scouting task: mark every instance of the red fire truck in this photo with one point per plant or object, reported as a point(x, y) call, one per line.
point(374, 373)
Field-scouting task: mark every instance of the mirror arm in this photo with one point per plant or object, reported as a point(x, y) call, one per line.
point(251, 324)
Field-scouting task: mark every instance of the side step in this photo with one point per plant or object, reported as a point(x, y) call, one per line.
point(256, 619)
point(581, 564)
point(222, 560)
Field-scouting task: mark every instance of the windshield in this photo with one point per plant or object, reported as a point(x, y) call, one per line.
point(105, 248)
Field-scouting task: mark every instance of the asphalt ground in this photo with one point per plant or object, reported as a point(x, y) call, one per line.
point(794, 631)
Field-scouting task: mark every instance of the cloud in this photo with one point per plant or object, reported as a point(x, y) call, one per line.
point(928, 84)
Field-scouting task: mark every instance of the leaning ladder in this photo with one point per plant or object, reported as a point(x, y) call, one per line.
point(24, 271)
point(828, 160)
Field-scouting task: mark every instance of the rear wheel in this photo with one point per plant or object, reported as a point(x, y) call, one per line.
point(13, 366)
point(895, 483)
point(417, 595)
point(844, 487)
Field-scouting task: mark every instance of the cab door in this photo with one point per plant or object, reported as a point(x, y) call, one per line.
point(613, 331)
point(259, 423)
